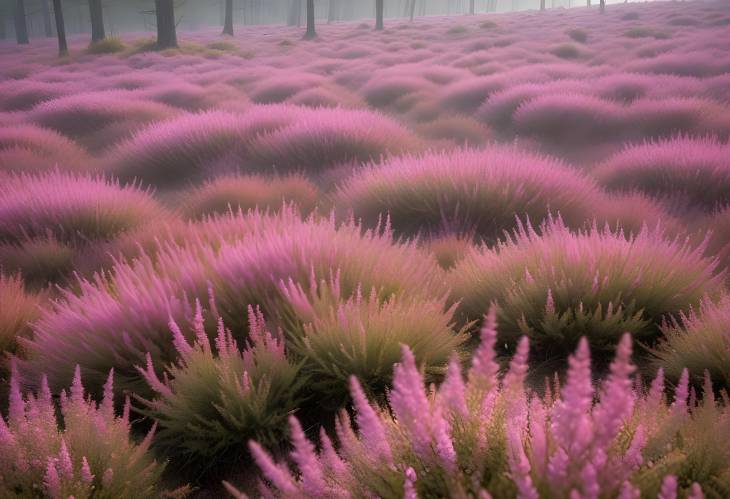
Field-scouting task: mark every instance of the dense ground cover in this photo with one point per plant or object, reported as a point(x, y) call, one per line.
point(240, 238)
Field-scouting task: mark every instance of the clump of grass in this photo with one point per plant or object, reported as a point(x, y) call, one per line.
point(109, 45)
point(578, 35)
point(566, 51)
point(457, 30)
point(488, 25)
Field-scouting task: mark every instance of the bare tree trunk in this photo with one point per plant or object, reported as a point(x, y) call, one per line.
point(295, 13)
point(542, 4)
point(21, 26)
point(603, 6)
point(3, 32)
point(96, 13)
point(166, 29)
point(413, 10)
point(311, 30)
point(471, 7)
point(379, 7)
point(588, 3)
point(228, 24)
point(46, 13)
point(332, 11)
point(60, 28)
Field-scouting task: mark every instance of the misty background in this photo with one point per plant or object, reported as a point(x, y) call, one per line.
point(138, 15)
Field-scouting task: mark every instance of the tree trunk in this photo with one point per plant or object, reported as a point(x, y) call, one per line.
point(96, 13)
point(21, 26)
point(379, 14)
point(542, 4)
point(311, 30)
point(228, 24)
point(588, 3)
point(295, 13)
point(3, 32)
point(46, 13)
point(472, 7)
point(603, 6)
point(332, 11)
point(60, 28)
point(166, 29)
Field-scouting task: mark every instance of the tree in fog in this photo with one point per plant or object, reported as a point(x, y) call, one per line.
point(46, 13)
point(379, 7)
point(228, 23)
point(411, 9)
point(295, 13)
point(96, 13)
point(472, 7)
point(166, 25)
point(60, 28)
point(311, 30)
point(21, 23)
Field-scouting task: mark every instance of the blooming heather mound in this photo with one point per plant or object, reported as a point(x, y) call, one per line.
point(23, 96)
point(468, 190)
point(74, 208)
point(194, 146)
point(29, 148)
point(685, 171)
point(461, 130)
point(382, 92)
point(559, 285)
point(490, 436)
point(339, 337)
point(223, 395)
point(699, 342)
point(114, 319)
point(249, 192)
point(98, 119)
point(323, 138)
point(41, 260)
point(18, 310)
point(88, 453)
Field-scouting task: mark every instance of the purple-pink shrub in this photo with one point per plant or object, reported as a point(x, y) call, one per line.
point(18, 309)
point(25, 148)
point(691, 173)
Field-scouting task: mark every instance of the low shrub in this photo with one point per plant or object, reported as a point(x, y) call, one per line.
point(484, 436)
point(109, 45)
point(467, 190)
point(88, 453)
point(26, 148)
point(558, 285)
point(41, 260)
point(566, 51)
point(227, 193)
point(688, 172)
point(18, 309)
point(578, 35)
point(215, 398)
point(339, 336)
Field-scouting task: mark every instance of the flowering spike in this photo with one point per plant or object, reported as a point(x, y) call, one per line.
point(278, 475)
point(178, 339)
point(107, 402)
point(201, 337)
point(628, 491)
point(51, 480)
point(16, 409)
point(695, 492)
point(409, 403)
point(679, 407)
point(64, 461)
point(370, 426)
point(452, 391)
point(669, 488)
point(86, 474)
point(304, 455)
point(484, 368)
point(656, 392)
point(409, 485)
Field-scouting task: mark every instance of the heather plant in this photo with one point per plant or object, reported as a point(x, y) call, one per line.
point(74, 208)
point(468, 190)
point(700, 342)
point(558, 285)
point(41, 260)
point(215, 398)
point(231, 193)
point(28, 148)
point(361, 335)
point(485, 435)
point(686, 172)
point(112, 319)
point(88, 452)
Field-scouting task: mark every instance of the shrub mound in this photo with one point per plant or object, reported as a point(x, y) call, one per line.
point(18, 310)
point(468, 190)
point(248, 192)
point(26, 148)
point(688, 172)
point(559, 285)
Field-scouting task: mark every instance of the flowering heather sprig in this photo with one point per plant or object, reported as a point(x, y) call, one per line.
point(689, 173)
point(216, 397)
point(231, 193)
point(502, 447)
point(558, 285)
point(88, 453)
point(74, 208)
point(338, 336)
point(469, 191)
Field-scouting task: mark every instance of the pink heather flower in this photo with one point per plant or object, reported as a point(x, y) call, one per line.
point(590, 487)
point(107, 402)
point(16, 409)
point(452, 392)
point(77, 389)
point(331, 459)
point(51, 480)
point(86, 474)
point(64, 461)
point(441, 430)
point(669, 488)
point(409, 403)
point(617, 396)
point(695, 492)
point(178, 339)
point(571, 422)
point(277, 474)
point(538, 437)
point(483, 494)
point(628, 491)
point(305, 456)
point(484, 368)
point(409, 486)
point(633, 457)
point(519, 464)
point(370, 426)
point(681, 393)
point(514, 385)
point(656, 391)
